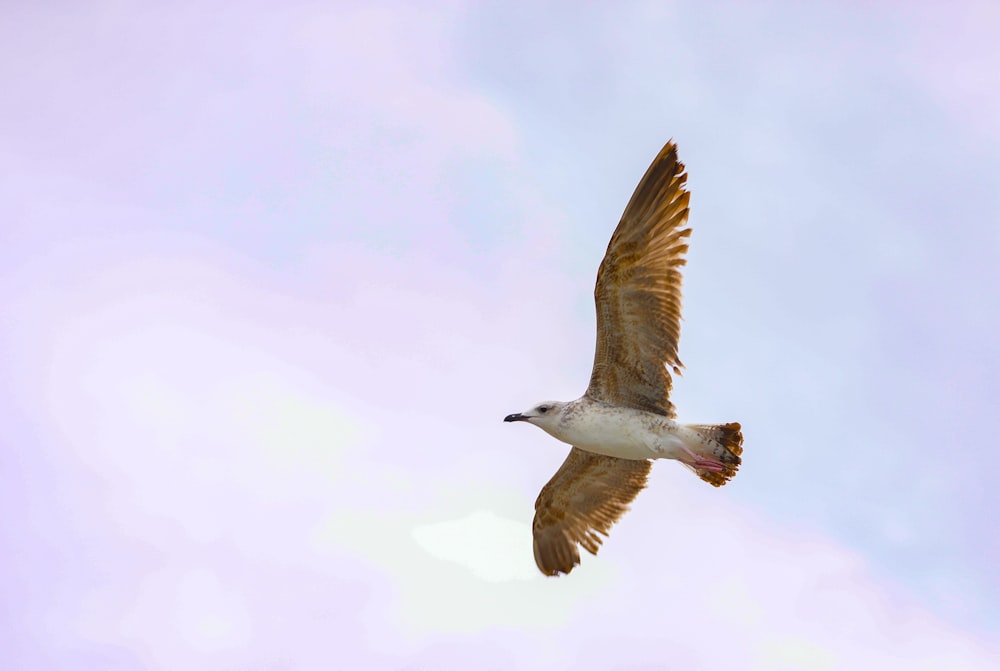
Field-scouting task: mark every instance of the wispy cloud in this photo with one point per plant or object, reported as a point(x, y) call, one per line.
point(272, 280)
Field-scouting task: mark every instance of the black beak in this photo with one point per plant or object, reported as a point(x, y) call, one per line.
point(516, 417)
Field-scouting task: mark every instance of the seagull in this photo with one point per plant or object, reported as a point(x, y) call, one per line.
point(625, 418)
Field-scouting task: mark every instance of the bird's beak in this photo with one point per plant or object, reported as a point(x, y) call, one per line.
point(516, 417)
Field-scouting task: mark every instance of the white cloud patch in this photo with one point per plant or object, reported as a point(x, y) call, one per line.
point(490, 546)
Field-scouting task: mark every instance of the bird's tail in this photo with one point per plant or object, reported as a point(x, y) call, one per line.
point(717, 452)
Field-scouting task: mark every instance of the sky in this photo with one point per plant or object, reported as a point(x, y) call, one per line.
point(274, 273)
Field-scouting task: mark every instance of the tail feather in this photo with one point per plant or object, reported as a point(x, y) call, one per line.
point(725, 444)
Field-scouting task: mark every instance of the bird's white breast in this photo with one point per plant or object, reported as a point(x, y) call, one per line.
point(618, 432)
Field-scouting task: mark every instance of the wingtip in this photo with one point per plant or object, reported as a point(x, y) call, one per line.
point(555, 561)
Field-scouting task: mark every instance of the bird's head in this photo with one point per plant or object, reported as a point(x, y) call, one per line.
point(545, 415)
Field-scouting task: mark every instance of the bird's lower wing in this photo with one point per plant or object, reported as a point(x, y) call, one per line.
point(579, 504)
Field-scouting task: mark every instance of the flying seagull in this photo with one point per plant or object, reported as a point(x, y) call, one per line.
point(625, 418)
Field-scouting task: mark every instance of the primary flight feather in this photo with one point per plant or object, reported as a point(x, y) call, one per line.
point(625, 418)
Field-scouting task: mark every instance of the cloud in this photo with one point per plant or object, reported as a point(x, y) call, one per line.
point(265, 313)
point(490, 546)
point(239, 482)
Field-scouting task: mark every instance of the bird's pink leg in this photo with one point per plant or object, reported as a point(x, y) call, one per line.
point(703, 463)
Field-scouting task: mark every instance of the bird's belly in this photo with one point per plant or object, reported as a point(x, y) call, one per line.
point(621, 432)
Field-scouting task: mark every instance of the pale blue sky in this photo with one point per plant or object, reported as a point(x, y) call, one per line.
point(274, 276)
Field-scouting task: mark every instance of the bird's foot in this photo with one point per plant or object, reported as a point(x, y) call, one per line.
point(702, 463)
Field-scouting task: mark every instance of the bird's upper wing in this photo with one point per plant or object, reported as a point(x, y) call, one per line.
point(583, 499)
point(638, 292)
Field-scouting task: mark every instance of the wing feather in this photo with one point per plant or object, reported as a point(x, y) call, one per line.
point(586, 496)
point(638, 292)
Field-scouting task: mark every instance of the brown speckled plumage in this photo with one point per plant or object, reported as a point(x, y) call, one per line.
point(638, 293)
point(638, 300)
point(579, 504)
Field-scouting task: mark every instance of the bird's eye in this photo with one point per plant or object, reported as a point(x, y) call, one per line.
point(543, 409)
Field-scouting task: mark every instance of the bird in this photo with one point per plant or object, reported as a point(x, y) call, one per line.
point(625, 419)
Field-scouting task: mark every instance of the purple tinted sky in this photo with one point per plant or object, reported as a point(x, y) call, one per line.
point(272, 276)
